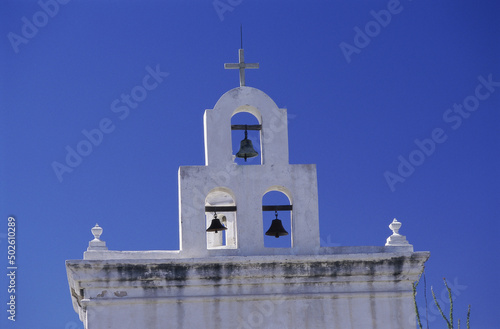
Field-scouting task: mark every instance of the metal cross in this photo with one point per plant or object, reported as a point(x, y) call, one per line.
point(241, 66)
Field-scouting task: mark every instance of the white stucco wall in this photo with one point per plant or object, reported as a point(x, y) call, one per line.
point(246, 285)
point(334, 291)
point(247, 184)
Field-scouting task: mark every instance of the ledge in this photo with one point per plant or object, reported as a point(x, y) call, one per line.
point(178, 254)
point(115, 280)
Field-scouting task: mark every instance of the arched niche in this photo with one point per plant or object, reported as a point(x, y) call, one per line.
point(251, 117)
point(221, 197)
point(249, 109)
point(277, 196)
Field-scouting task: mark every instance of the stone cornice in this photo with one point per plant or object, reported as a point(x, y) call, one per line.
point(239, 276)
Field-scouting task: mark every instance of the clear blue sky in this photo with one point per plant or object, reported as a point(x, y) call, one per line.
point(356, 104)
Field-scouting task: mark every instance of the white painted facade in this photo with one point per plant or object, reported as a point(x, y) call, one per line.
point(237, 282)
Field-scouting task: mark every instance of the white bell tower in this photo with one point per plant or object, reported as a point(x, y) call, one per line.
point(223, 185)
point(223, 276)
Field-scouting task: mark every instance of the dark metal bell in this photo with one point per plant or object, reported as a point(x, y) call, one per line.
point(216, 225)
point(276, 228)
point(246, 148)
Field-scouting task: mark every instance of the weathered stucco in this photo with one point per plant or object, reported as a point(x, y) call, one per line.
point(329, 291)
point(243, 284)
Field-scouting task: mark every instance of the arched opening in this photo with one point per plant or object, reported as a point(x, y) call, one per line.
point(220, 202)
point(247, 120)
point(276, 201)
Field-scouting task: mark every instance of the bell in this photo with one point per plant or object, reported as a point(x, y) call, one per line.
point(216, 225)
point(276, 228)
point(246, 148)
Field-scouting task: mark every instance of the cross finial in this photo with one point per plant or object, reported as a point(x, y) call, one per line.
point(241, 65)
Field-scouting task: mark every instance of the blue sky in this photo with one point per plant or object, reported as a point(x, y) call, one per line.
point(410, 90)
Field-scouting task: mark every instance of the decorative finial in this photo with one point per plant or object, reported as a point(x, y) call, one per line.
point(97, 243)
point(241, 65)
point(395, 226)
point(396, 239)
point(96, 231)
